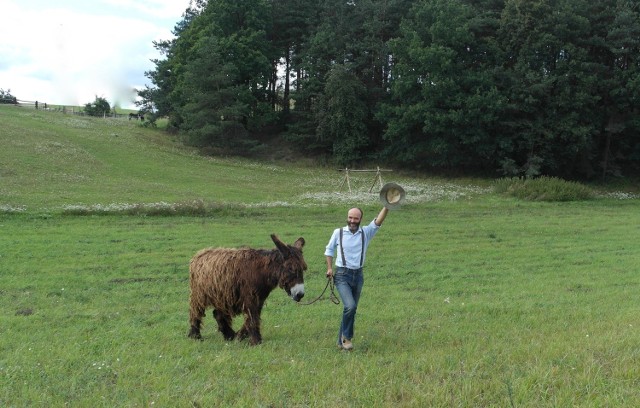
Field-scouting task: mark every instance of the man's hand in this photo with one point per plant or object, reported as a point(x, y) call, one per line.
point(329, 266)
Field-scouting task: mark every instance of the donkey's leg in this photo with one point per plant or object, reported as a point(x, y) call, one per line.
point(251, 326)
point(224, 325)
point(243, 333)
point(195, 319)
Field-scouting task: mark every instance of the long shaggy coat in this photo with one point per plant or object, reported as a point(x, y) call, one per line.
point(239, 280)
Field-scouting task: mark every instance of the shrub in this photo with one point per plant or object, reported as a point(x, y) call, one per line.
point(6, 97)
point(187, 208)
point(543, 189)
point(99, 107)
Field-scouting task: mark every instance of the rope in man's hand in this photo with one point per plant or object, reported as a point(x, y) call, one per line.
point(332, 295)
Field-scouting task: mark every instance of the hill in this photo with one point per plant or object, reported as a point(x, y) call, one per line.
point(51, 161)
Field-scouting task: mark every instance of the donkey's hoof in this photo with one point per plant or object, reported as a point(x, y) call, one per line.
point(195, 335)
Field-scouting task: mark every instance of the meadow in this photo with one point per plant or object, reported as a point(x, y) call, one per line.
point(471, 298)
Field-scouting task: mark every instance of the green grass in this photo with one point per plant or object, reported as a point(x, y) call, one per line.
point(544, 189)
point(51, 162)
point(470, 299)
point(62, 161)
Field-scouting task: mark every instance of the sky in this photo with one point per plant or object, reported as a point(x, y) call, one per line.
point(68, 52)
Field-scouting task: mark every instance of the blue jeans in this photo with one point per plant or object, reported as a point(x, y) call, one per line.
point(349, 284)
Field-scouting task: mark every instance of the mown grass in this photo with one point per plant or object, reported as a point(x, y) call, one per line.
point(470, 299)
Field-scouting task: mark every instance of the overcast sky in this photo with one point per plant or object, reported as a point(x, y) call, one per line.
point(67, 52)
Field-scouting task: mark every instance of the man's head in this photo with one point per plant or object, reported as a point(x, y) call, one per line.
point(354, 218)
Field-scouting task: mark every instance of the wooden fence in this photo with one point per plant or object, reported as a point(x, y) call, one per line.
point(73, 110)
point(347, 180)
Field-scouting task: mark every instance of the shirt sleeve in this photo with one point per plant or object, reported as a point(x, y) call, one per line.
point(370, 230)
point(330, 250)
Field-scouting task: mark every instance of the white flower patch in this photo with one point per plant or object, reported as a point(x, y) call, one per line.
point(113, 207)
point(121, 207)
point(337, 197)
point(270, 204)
point(416, 193)
point(77, 123)
point(70, 178)
point(159, 208)
point(6, 208)
point(620, 195)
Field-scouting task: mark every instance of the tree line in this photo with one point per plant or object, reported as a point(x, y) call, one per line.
point(509, 87)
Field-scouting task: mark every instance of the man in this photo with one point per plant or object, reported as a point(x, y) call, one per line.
point(351, 243)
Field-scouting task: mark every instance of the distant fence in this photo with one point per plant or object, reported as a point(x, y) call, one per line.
point(73, 110)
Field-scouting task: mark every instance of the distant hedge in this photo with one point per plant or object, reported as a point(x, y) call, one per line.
point(543, 189)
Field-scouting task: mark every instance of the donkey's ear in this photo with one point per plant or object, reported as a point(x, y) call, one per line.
point(282, 247)
point(299, 243)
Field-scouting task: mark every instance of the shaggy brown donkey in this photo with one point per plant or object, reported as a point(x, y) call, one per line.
point(239, 280)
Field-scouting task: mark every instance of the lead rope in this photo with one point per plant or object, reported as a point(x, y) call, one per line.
point(332, 296)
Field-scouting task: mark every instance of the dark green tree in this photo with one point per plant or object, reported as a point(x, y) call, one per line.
point(548, 82)
point(161, 99)
point(215, 112)
point(342, 113)
point(614, 46)
point(446, 105)
point(290, 29)
point(214, 82)
point(569, 85)
point(517, 87)
point(354, 34)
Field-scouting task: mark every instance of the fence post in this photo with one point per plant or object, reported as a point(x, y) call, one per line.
point(345, 179)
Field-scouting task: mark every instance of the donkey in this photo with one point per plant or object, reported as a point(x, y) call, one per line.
point(239, 280)
point(136, 116)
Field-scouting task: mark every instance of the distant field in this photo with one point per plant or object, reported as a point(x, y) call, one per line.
point(50, 160)
point(471, 299)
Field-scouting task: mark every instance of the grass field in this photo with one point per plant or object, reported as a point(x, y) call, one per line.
point(471, 299)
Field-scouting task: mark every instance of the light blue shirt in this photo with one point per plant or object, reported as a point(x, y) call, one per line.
point(352, 245)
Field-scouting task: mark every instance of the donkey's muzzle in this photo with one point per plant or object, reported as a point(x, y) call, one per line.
point(297, 292)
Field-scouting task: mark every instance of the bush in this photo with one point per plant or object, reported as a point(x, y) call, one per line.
point(6, 97)
point(99, 107)
point(190, 208)
point(543, 189)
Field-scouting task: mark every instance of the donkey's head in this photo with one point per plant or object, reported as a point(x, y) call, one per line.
point(291, 277)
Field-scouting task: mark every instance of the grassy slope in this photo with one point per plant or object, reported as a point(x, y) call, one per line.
point(49, 160)
point(470, 302)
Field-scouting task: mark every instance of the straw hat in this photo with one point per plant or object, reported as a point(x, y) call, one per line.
point(392, 196)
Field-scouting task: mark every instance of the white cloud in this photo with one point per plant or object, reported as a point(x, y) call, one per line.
point(164, 9)
point(69, 55)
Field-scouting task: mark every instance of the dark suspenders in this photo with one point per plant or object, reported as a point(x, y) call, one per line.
point(344, 262)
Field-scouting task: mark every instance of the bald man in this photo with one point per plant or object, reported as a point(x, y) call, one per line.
point(350, 243)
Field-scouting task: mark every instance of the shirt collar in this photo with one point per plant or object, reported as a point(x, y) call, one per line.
point(346, 229)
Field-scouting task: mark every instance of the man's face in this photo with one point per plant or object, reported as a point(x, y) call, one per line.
point(353, 219)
